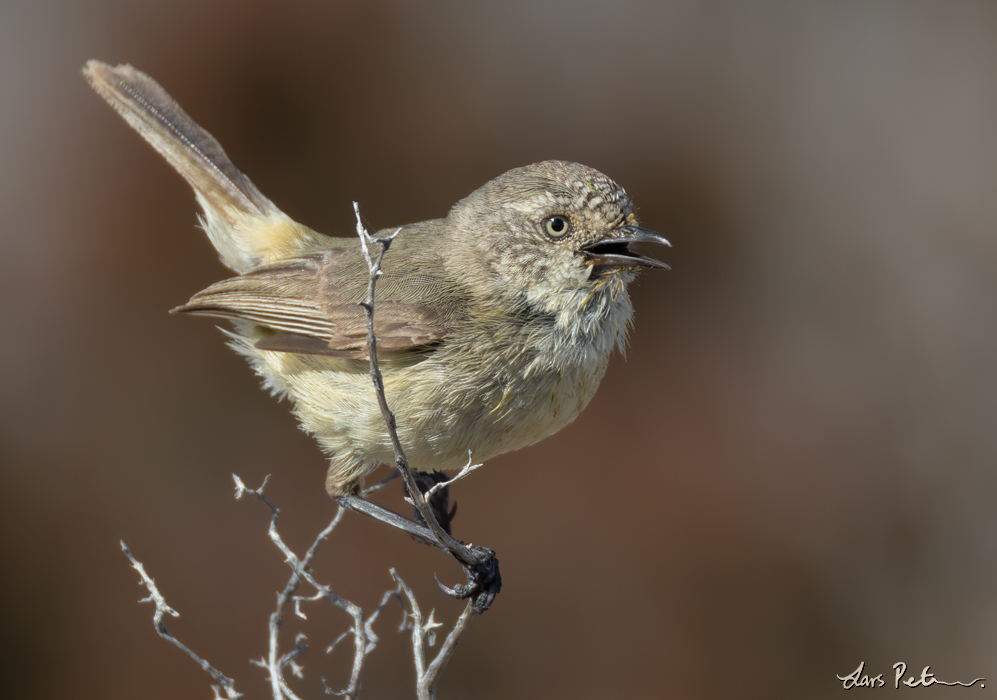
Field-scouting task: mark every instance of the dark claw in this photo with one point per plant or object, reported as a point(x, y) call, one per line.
point(447, 589)
point(484, 581)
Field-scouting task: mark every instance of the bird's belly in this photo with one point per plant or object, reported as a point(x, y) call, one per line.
point(529, 410)
point(441, 417)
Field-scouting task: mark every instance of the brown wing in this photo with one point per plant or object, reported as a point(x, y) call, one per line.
point(311, 305)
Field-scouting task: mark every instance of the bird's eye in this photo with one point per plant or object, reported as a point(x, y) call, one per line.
point(557, 226)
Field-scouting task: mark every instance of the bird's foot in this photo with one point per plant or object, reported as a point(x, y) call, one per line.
point(483, 578)
point(479, 563)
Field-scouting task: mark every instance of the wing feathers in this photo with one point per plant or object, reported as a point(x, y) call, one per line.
point(308, 314)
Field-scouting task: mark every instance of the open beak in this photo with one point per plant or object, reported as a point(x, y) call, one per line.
point(615, 251)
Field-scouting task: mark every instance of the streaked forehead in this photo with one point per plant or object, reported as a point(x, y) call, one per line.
point(588, 190)
point(601, 193)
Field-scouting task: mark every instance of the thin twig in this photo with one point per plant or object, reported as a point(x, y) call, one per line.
point(300, 573)
point(380, 484)
point(401, 461)
point(465, 470)
point(427, 684)
point(424, 635)
point(157, 619)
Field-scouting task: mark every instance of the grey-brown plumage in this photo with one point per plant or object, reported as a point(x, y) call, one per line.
point(494, 324)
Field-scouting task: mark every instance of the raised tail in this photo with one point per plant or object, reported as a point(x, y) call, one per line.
point(244, 226)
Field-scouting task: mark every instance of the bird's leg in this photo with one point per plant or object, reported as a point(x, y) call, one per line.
point(419, 531)
point(436, 491)
point(480, 564)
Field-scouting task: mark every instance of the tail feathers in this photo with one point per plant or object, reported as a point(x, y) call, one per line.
point(244, 226)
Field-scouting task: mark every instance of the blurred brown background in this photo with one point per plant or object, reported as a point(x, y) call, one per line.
point(791, 473)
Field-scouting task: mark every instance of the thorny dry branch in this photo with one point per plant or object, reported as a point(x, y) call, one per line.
point(401, 462)
point(423, 630)
point(365, 639)
point(464, 471)
point(426, 677)
point(479, 563)
point(299, 567)
point(157, 620)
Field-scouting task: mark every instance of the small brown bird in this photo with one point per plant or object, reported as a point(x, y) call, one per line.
point(494, 324)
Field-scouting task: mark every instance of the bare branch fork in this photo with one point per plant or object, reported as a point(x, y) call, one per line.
point(480, 564)
point(274, 663)
point(423, 631)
